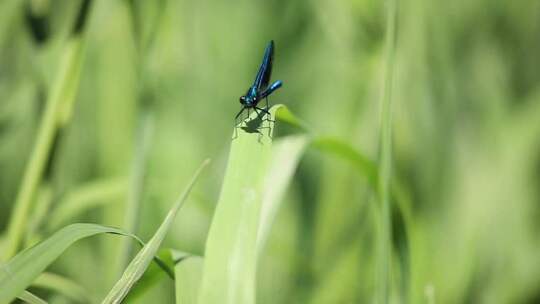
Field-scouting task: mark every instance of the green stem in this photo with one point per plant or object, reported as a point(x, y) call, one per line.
point(137, 180)
point(385, 166)
point(60, 97)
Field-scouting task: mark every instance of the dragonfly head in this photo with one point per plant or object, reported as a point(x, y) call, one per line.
point(248, 100)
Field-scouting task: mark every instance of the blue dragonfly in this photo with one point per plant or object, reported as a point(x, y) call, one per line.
point(260, 89)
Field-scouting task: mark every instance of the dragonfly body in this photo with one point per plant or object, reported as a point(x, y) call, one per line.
point(260, 89)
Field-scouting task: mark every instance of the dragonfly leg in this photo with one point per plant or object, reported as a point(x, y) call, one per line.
point(267, 119)
point(239, 113)
point(258, 114)
point(266, 110)
point(267, 113)
point(236, 123)
point(263, 110)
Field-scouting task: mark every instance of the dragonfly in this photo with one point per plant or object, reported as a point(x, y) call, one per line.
point(260, 89)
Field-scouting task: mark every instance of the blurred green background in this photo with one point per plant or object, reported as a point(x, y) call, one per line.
point(466, 137)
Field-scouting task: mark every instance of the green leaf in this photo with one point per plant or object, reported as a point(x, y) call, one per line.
point(283, 114)
point(188, 274)
point(385, 161)
point(136, 187)
point(258, 172)
point(55, 116)
point(360, 162)
point(138, 265)
point(154, 275)
point(62, 285)
point(19, 272)
point(86, 197)
point(31, 298)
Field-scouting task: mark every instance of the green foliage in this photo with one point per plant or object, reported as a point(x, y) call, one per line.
point(257, 174)
point(31, 298)
point(187, 276)
point(20, 271)
point(138, 265)
point(408, 172)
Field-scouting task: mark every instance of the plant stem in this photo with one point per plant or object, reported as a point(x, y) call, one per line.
point(385, 160)
point(60, 97)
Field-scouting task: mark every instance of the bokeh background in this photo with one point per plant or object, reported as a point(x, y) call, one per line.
point(466, 137)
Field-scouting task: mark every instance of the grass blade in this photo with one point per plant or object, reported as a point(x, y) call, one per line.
point(60, 98)
point(138, 265)
point(31, 298)
point(131, 220)
point(249, 199)
point(286, 153)
point(62, 285)
point(19, 272)
point(344, 150)
point(385, 160)
point(154, 275)
point(85, 197)
point(188, 274)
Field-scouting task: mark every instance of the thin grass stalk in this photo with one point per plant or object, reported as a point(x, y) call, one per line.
point(385, 161)
point(60, 98)
point(131, 221)
point(139, 264)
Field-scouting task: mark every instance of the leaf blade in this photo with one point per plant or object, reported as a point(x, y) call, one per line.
point(19, 272)
point(138, 265)
point(245, 211)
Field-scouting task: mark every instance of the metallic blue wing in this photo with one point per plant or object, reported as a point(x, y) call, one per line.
point(265, 71)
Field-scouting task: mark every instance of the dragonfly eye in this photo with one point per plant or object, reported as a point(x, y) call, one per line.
point(242, 99)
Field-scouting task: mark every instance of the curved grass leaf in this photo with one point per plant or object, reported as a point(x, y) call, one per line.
point(257, 174)
point(85, 197)
point(19, 272)
point(31, 298)
point(362, 163)
point(283, 114)
point(138, 265)
point(62, 285)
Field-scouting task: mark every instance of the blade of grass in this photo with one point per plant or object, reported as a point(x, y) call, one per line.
point(136, 187)
point(286, 153)
point(60, 97)
point(85, 197)
point(62, 285)
point(362, 163)
point(385, 160)
point(249, 199)
point(43, 202)
point(153, 276)
point(31, 298)
point(138, 265)
point(11, 11)
point(188, 274)
point(368, 168)
point(283, 114)
point(364, 166)
point(19, 272)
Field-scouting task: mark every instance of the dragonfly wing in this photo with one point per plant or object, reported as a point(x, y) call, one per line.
point(265, 71)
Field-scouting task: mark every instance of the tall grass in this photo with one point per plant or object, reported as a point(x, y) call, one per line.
point(385, 159)
point(403, 167)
